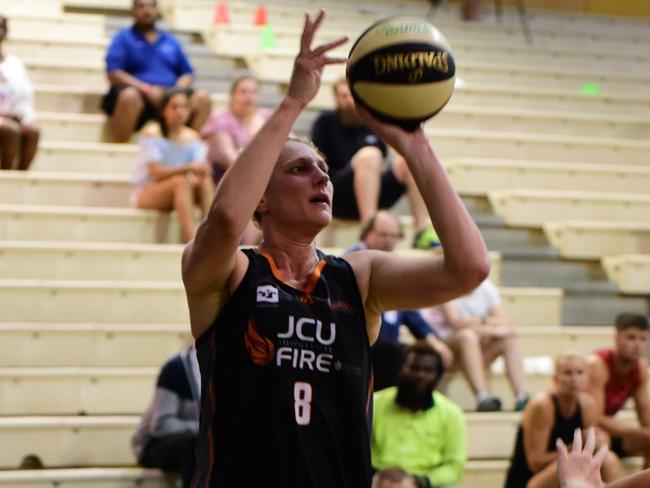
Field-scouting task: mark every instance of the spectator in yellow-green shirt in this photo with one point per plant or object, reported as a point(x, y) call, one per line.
point(416, 428)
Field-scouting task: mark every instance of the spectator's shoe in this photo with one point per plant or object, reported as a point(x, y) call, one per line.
point(489, 404)
point(31, 461)
point(426, 239)
point(521, 403)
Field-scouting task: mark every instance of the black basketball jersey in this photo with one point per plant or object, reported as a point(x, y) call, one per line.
point(286, 383)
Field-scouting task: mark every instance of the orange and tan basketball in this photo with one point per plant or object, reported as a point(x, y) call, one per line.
point(402, 70)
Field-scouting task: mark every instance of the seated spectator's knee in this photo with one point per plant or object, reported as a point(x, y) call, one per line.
point(180, 183)
point(30, 132)
point(611, 459)
point(9, 129)
point(512, 335)
point(467, 336)
point(368, 158)
point(131, 98)
point(401, 170)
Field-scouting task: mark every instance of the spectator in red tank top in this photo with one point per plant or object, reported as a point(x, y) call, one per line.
point(620, 373)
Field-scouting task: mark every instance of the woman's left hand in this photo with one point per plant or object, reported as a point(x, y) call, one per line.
point(580, 467)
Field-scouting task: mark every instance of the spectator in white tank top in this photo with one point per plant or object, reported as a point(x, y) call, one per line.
point(18, 134)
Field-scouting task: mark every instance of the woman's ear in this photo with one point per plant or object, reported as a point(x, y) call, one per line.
point(262, 207)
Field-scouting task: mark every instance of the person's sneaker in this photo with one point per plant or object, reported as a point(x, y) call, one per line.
point(521, 403)
point(426, 239)
point(31, 461)
point(489, 404)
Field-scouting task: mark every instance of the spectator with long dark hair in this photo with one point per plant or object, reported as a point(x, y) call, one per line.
point(173, 172)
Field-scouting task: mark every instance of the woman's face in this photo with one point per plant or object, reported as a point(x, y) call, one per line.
point(300, 192)
point(177, 110)
point(244, 98)
point(571, 375)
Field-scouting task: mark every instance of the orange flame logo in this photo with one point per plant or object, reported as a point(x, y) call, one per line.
point(260, 349)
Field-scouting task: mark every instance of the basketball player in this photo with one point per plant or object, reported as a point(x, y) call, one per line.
point(282, 331)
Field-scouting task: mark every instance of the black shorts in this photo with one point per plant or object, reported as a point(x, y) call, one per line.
point(149, 112)
point(344, 205)
point(617, 447)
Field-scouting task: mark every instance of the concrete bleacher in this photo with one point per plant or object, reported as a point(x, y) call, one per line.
point(82, 154)
point(61, 99)
point(34, 49)
point(92, 303)
point(84, 260)
point(631, 272)
point(61, 435)
point(242, 40)
point(593, 239)
point(120, 477)
point(72, 189)
point(66, 71)
point(101, 374)
point(531, 208)
point(31, 25)
point(477, 177)
point(124, 301)
point(67, 223)
point(43, 8)
point(39, 344)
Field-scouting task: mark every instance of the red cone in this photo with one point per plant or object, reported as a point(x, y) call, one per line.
point(261, 15)
point(221, 13)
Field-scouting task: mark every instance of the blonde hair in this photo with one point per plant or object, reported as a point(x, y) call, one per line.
point(569, 354)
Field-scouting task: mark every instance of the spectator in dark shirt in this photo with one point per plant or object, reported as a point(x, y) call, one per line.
point(166, 436)
point(142, 62)
point(356, 160)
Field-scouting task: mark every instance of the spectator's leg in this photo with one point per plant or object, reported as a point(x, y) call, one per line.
point(367, 165)
point(546, 478)
point(611, 469)
point(128, 107)
point(200, 109)
point(416, 202)
point(638, 444)
point(467, 347)
point(510, 349)
point(470, 9)
point(29, 136)
point(174, 453)
point(172, 193)
point(9, 142)
point(205, 194)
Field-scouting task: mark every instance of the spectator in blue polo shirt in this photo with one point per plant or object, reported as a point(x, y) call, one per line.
point(142, 62)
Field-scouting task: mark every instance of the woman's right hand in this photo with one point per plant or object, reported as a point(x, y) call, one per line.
point(199, 168)
point(309, 64)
